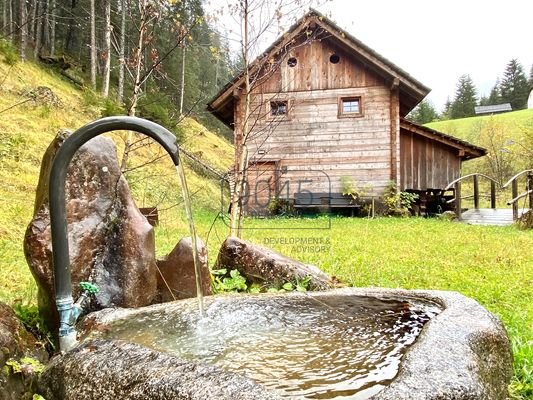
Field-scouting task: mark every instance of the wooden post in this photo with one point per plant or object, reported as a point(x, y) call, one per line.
point(492, 194)
point(476, 192)
point(530, 188)
point(458, 199)
point(395, 131)
point(514, 195)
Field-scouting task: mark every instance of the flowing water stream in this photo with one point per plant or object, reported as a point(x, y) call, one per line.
point(300, 346)
point(188, 211)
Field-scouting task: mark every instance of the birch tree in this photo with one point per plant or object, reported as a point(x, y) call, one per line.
point(122, 52)
point(23, 29)
point(93, 44)
point(106, 54)
point(258, 20)
point(38, 28)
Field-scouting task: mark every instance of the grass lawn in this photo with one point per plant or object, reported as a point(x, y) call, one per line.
point(493, 265)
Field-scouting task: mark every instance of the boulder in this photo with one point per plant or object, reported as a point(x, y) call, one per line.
point(264, 266)
point(462, 352)
point(525, 221)
point(111, 243)
point(110, 370)
point(15, 340)
point(15, 343)
point(177, 279)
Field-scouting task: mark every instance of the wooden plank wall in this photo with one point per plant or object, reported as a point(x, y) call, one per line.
point(314, 71)
point(313, 142)
point(426, 164)
point(262, 179)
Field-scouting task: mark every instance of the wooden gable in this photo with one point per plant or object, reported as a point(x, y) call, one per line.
point(315, 37)
point(315, 71)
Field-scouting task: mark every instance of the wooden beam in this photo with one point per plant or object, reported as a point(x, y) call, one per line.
point(394, 132)
point(439, 139)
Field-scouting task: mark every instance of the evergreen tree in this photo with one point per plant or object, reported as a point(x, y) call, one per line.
point(514, 85)
point(495, 95)
point(484, 101)
point(423, 113)
point(447, 111)
point(531, 78)
point(465, 98)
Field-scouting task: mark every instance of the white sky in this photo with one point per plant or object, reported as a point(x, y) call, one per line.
point(438, 41)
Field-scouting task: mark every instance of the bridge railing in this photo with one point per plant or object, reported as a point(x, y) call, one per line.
point(456, 184)
point(528, 175)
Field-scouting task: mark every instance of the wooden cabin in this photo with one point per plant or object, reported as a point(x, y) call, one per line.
point(326, 109)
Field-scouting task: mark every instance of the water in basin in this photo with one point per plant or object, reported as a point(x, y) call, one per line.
point(325, 347)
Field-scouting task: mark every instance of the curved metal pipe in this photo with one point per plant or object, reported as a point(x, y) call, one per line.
point(58, 221)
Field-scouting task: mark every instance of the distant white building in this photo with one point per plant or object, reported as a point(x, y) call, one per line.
point(530, 100)
point(493, 109)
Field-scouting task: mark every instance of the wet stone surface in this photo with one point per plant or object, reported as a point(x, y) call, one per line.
point(336, 347)
point(111, 243)
point(461, 353)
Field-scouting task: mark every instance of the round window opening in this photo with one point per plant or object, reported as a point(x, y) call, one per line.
point(334, 59)
point(291, 62)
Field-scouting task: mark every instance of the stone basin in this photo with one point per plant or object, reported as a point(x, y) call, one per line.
point(450, 348)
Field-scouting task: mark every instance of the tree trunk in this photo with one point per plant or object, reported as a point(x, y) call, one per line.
point(122, 52)
point(23, 29)
point(137, 83)
point(93, 45)
point(38, 29)
point(4, 16)
point(31, 23)
point(242, 150)
point(182, 85)
point(10, 17)
point(46, 25)
point(138, 57)
point(107, 49)
point(53, 28)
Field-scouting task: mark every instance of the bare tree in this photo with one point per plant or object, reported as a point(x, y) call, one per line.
point(38, 28)
point(182, 84)
point(52, 19)
point(499, 158)
point(122, 52)
point(23, 29)
point(4, 15)
point(93, 44)
point(106, 54)
point(149, 13)
point(257, 19)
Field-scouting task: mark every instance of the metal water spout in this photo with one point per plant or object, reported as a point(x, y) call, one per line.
point(68, 310)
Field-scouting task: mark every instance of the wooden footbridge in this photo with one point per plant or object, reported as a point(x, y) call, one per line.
point(520, 202)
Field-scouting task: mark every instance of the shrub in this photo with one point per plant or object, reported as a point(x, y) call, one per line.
point(397, 203)
point(352, 189)
point(111, 108)
point(9, 51)
point(279, 206)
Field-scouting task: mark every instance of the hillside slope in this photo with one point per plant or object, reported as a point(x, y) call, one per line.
point(508, 137)
point(30, 117)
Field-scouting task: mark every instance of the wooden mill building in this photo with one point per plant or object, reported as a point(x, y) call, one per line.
point(325, 107)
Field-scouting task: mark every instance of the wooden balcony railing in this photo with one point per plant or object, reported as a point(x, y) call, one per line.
point(456, 184)
point(528, 175)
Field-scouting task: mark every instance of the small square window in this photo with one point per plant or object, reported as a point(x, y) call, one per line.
point(350, 107)
point(278, 108)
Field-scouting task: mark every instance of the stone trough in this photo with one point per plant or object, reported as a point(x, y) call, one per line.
point(462, 353)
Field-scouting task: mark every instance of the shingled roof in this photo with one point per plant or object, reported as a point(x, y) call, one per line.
point(411, 90)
